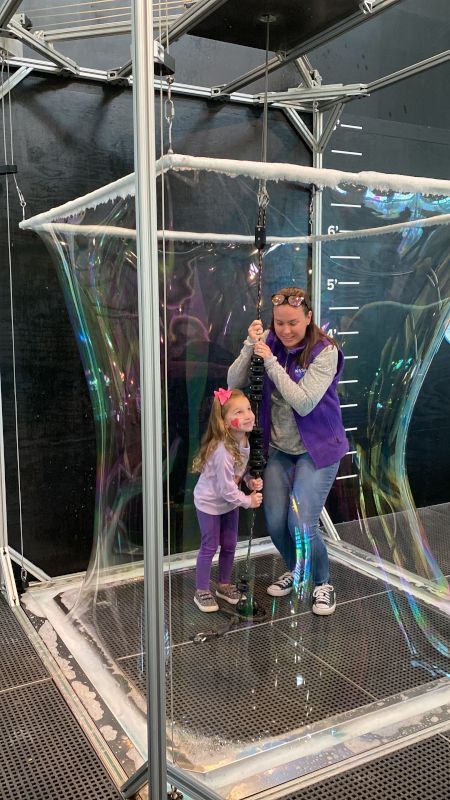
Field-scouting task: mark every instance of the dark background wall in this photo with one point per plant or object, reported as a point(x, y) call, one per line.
point(73, 136)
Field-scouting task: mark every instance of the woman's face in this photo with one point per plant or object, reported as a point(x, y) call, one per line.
point(290, 324)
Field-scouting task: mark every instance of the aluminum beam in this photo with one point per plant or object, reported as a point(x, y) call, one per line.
point(31, 568)
point(316, 221)
point(97, 30)
point(14, 79)
point(317, 94)
point(309, 75)
point(151, 390)
point(41, 47)
point(329, 127)
point(87, 31)
point(6, 572)
point(408, 72)
point(7, 9)
point(315, 41)
point(178, 778)
point(183, 24)
point(296, 121)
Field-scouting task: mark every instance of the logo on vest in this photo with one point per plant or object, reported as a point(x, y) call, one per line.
point(299, 372)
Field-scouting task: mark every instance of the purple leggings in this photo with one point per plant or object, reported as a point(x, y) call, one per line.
point(215, 530)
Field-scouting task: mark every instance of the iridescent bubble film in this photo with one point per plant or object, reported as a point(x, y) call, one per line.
point(385, 299)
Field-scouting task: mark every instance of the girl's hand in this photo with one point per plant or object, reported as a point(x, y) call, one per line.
point(263, 350)
point(255, 330)
point(255, 500)
point(255, 484)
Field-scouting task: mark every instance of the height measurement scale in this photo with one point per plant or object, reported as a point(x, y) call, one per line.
point(342, 291)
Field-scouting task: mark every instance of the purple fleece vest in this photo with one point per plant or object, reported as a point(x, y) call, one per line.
point(321, 430)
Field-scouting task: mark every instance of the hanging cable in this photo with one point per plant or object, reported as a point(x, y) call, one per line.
point(167, 113)
point(247, 606)
point(23, 572)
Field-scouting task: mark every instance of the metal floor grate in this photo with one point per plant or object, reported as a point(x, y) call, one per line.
point(19, 662)
point(43, 753)
point(119, 609)
point(367, 644)
point(436, 523)
point(420, 771)
point(250, 685)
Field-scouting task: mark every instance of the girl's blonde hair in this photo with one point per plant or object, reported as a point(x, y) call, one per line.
point(216, 432)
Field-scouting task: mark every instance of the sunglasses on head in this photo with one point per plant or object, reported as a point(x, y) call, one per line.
point(294, 300)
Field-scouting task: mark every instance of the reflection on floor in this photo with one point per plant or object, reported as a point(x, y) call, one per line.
point(435, 521)
point(292, 669)
point(245, 694)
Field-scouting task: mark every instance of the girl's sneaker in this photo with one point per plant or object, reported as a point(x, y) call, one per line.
point(324, 600)
point(205, 601)
point(282, 586)
point(229, 593)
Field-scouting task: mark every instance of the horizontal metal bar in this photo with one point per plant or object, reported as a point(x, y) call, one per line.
point(87, 31)
point(253, 75)
point(96, 30)
point(317, 93)
point(37, 44)
point(310, 44)
point(185, 22)
point(7, 9)
point(85, 73)
point(408, 72)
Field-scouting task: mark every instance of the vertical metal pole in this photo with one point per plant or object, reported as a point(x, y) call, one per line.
point(149, 343)
point(316, 221)
point(6, 571)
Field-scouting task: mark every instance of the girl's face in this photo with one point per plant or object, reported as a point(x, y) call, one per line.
point(290, 324)
point(239, 416)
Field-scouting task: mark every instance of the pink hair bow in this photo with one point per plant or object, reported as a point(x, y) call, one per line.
point(223, 395)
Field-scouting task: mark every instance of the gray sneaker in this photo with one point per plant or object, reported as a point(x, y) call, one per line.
point(324, 600)
point(205, 601)
point(229, 593)
point(282, 586)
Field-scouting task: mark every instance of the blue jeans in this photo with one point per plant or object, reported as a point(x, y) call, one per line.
point(294, 495)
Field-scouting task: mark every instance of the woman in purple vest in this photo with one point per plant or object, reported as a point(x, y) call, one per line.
point(304, 437)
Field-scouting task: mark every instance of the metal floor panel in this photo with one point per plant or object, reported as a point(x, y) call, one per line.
point(436, 523)
point(119, 609)
point(249, 685)
point(377, 643)
point(419, 772)
point(19, 662)
point(43, 753)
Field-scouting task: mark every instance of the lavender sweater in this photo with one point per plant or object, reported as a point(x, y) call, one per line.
point(217, 491)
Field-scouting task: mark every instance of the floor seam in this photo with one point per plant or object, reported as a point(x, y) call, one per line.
point(24, 685)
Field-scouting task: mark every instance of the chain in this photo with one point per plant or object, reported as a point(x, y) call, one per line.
point(169, 111)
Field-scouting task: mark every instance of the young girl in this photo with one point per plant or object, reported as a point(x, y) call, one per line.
point(222, 462)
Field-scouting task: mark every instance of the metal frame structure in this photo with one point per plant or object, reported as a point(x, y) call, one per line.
point(312, 97)
point(7, 581)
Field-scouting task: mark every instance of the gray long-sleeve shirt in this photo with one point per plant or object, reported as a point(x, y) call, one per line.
point(302, 396)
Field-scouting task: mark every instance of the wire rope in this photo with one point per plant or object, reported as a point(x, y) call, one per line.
point(162, 117)
point(23, 572)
